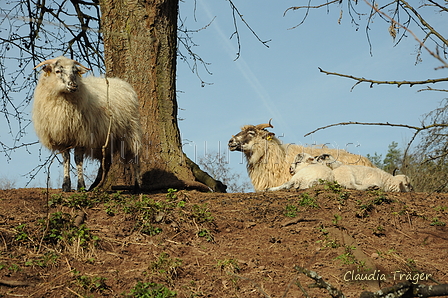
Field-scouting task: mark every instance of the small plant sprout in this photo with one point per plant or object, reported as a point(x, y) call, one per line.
point(165, 267)
point(347, 258)
point(336, 219)
point(306, 200)
point(201, 213)
point(437, 222)
point(150, 289)
point(206, 234)
point(229, 265)
point(291, 210)
point(333, 186)
point(171, 193)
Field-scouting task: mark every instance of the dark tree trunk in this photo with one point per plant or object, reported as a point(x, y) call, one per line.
point(140, 41)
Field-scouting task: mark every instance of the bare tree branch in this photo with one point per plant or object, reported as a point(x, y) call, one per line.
point(438, 5)
point(235, 14)
point(407, 289)
point(310, 6)
point(425, 25)
point(417, 128)
point(372, 82)
point(321, 283)
point(185, 39)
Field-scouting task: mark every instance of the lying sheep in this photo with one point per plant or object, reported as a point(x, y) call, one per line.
point(268, 159)
point(70, 111)
point(362, 178)
point(306, 173)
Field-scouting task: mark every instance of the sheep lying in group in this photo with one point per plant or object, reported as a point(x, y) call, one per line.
point(362, 178)
point(306, 173)
point(70, 111)
point(310, 172)
point(268, 159)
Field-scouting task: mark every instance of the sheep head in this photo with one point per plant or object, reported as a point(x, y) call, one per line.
point(66, 71)
point(403, 182)
point(249, 135)
point(302, 160)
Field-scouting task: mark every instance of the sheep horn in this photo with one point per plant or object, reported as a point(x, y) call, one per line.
point(45, 62)
point(54, 60)
point(263, 126)
point(76, 62)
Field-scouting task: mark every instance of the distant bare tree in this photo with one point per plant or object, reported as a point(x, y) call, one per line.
point(217, 165)
point(429, 161)
point(7, 182)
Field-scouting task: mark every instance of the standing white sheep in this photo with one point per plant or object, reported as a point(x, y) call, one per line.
point(70, 111)
point(306, 173)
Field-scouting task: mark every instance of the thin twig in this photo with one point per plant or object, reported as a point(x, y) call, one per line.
point(302, 289)
point(74, 292)
point(308, 7)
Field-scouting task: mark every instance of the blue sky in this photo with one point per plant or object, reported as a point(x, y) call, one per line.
point(283, 82)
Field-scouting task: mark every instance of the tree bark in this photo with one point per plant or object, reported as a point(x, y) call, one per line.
point(140, 42)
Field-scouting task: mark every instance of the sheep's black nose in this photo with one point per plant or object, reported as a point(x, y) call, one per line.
point(72, 86)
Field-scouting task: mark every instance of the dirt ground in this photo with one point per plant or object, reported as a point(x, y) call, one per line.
point(218, 245)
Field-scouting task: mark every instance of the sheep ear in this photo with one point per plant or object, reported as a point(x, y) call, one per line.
point(47, 69)
point(269, 136)
point(299, 157)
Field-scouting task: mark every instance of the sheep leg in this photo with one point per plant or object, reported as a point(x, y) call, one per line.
point(66, 184)
point(137, 178)
point(287, 185)
point(79, 158)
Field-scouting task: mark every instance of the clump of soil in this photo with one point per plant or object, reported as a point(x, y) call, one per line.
point(193, 244)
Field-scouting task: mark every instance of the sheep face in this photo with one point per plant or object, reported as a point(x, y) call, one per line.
point(302, 160)
point(66, 72)
point(324, 158)
point(404, 183)
point(249, 135)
